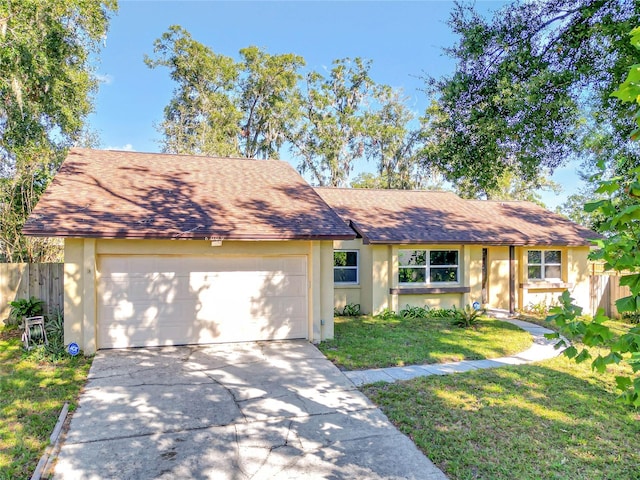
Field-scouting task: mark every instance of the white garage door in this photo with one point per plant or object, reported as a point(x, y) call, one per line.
point(167, 300)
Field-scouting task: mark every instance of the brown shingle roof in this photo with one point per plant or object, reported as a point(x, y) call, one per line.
point(404, 217)
point(111, 194)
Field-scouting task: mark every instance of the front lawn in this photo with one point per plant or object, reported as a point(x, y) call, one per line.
point(32, 393)
point(552, 420)
point(371, 342)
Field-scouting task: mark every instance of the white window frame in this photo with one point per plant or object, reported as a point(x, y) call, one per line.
point(543, 266)
point(428, 266)
point(356, 268)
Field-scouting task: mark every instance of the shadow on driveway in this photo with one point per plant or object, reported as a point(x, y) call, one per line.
point(262, 410)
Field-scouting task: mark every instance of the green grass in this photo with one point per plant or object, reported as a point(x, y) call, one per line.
point(32, 393)
point(551, 420)
point(618, 326)
point(370, 342)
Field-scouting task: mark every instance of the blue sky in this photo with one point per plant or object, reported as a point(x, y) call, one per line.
point(403, 39)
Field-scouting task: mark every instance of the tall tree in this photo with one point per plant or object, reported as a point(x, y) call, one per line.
point(267, 89)
point(390, 142)
point(46, 87)
point(331, 133)
point(202, 116)
point(530, 87)
point(221, 106)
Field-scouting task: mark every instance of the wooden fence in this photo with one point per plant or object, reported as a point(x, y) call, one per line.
point(605, 290)
point(24, 280)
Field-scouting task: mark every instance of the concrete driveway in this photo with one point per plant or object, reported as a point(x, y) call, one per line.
point(265, 410)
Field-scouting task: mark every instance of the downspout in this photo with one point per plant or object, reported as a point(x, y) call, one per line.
point(512, 279)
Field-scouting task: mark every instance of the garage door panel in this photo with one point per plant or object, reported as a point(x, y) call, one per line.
point(156, 300)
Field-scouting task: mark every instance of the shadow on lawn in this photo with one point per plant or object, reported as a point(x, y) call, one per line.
point(369, 342)
point(517, 422)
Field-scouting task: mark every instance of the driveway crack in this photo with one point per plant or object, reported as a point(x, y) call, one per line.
point(231, 394)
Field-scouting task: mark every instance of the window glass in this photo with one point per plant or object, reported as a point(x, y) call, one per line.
point(534, 272)
point(345, 259)
point(535, 256)
point(412, 275)
point(427, 266)
point(443, 257)
point(345, 266)
point(552, 256)
point(447, 274)
point(544, 264)
point(412, 257)
point(345, 275)
point(552, 271)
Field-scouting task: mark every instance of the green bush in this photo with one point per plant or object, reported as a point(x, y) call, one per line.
point(466, 317)
point(631, 317)
point(414, 312)
point(25, 308)
point(441, 312)
point(349, 310)
point(386, 314)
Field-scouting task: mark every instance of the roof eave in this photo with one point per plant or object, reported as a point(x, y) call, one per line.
point(182, 236)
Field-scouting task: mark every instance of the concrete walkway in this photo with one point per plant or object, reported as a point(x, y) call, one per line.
point(542, 349)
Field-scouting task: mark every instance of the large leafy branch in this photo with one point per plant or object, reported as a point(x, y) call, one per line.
point(620, 251)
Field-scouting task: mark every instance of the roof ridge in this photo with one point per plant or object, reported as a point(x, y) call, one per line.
point(386, 190)
point(190, 155)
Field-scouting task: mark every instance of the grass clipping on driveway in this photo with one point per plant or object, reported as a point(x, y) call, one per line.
point(32, 393)
point(552, 420)
point(371, 342)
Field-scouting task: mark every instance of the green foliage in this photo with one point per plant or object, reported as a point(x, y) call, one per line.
point(414, 312)
point(631, 317)
point(441, 312)
point(46, 84)
point(386, 314)
point(331, 133)
point(33, 393)
point(223, 107)
point(54, 325)
point(524, 84)
point(371, 342)
point(23, 307)
point(540, 308)
point(467, 316)
point(549, 420)
point(349, 310)
point(390, 143)
point(623, 348)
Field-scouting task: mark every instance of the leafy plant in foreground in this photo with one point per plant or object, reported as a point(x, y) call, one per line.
point(414, 312)
point(23, 307)
point(386, 314)
point(620, 251)
point(466, 317)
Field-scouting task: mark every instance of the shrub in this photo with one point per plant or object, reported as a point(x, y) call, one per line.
point(414, 312)
point(466, 317)
point(349, 310)
point(631, 317)
point(25, 308)
point(386, 314)
point(441, 312)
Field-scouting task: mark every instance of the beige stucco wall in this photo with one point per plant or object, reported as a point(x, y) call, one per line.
point(575, 278)
point(498, 277)
point(82, 275)
point(379, 274)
